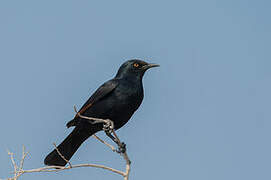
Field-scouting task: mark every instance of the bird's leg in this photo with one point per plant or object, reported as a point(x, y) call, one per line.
point(108, 130)
point(111, 137)
point(121, 145)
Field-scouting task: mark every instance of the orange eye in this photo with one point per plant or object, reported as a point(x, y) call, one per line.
point(136, 65)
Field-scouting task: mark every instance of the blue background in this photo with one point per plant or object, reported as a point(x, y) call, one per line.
point(206, 113)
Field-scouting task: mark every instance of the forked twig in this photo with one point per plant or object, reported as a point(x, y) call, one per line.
point(18, 170)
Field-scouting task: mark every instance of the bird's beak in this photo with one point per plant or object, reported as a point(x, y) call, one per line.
point(148, 66)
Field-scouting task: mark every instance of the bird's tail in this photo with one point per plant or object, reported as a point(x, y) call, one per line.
point(69, 146)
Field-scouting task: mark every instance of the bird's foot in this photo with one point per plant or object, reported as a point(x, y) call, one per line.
point(121, 148)
point(108, 128)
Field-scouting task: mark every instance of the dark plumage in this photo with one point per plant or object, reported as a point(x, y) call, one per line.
point(117, 99)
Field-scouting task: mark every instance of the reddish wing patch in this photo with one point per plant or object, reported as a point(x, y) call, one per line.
point(83, 109)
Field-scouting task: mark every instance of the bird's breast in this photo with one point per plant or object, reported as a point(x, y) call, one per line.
point(129, 96)
point(119, 105)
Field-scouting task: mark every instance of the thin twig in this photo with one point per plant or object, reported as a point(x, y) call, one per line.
point(24, 154)
point(14, 164)
point(58, 152)
point(95, 120)
point(102, 141)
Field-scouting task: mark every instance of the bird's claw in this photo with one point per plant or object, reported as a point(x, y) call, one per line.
point(121, 148)
point(108, 128)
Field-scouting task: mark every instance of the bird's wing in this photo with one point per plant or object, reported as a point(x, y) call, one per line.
point(100, 93)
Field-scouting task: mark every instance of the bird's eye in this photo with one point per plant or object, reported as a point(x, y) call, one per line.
point(136, 65)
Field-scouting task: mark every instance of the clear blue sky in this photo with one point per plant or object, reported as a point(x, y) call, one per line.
point(206, 113)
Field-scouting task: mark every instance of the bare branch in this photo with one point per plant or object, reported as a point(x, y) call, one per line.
point(102, 141)
point(18, 170)
point(61, 168)
point(125, 156)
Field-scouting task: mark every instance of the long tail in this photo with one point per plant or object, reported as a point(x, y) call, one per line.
point(69, 146)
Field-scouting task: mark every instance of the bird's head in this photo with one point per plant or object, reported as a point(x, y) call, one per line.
point(134, 68)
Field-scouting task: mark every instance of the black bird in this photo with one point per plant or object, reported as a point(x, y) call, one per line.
point(117, 100)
